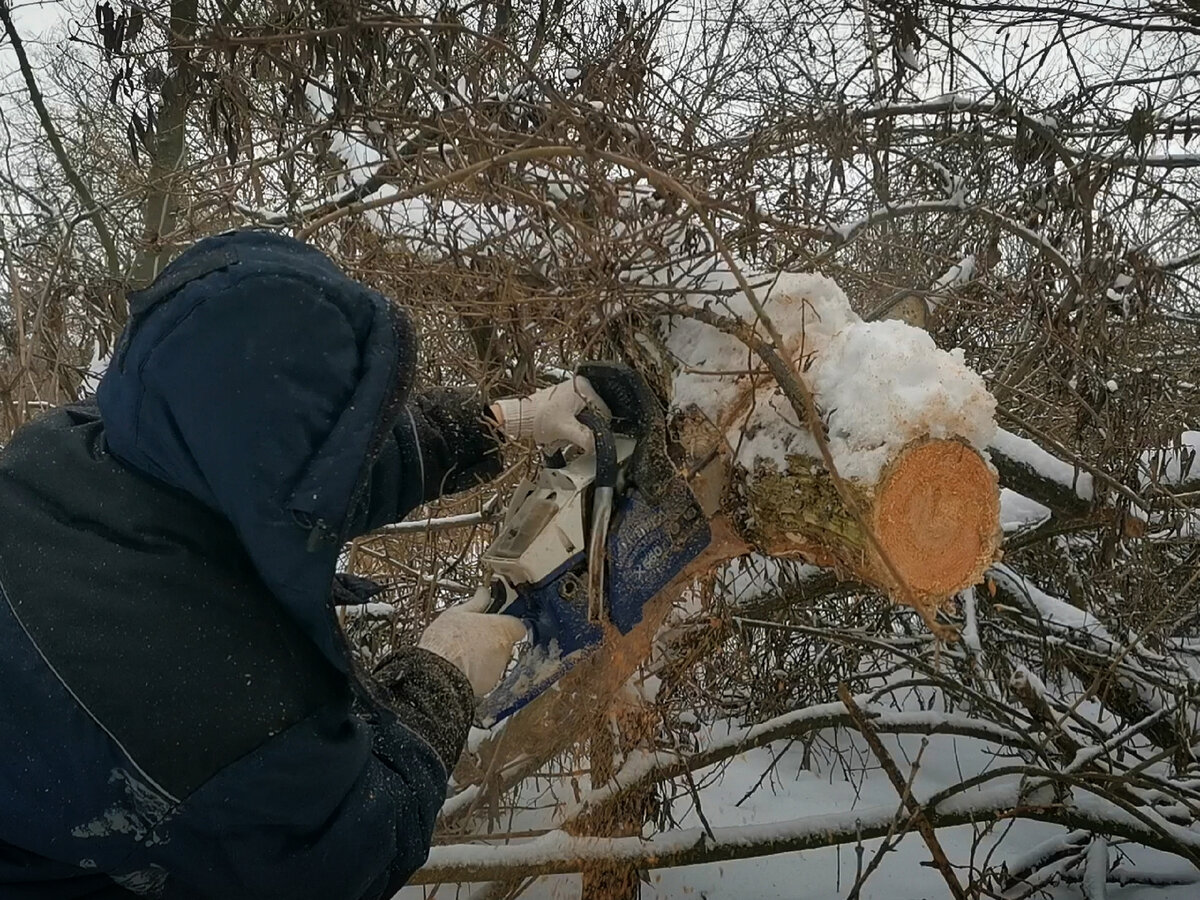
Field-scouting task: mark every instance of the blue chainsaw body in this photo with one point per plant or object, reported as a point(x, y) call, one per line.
point(647, 547)
point(549, 545)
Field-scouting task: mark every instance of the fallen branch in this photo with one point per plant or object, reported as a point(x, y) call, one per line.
point(559, 853)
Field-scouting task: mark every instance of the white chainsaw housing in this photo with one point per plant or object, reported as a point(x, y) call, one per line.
point(545, 524)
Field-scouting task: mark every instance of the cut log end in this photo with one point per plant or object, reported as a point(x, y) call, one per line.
point(935, 512)
point(936, 515)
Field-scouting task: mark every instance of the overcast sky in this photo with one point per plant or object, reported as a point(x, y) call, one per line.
point(40, 23)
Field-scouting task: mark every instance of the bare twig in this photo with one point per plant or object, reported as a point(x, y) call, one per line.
point(903, 788)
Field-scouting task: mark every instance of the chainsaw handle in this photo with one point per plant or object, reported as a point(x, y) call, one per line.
point(606, 446)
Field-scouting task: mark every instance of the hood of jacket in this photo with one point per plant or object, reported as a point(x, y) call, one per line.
point(258, 378)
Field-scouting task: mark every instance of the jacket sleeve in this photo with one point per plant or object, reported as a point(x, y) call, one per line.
point(444, 441)
point(426, 696)
point(430, 696)
point(341, 806)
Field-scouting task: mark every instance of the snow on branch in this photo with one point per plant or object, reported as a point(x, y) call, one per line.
point(1029, 470)
point(318, 208)
point(1176, 467)
point(558, 852)
point(645, 767)
point(422, 526)
point(375, 611)
point(1139, 686)
point(956, 203)
point(1051, 610)
point(847, 231)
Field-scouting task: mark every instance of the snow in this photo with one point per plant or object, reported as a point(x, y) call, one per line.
point(800, 799)
point(372, 610)
point(886, 384)
point(1024, 679)
point(880, 385)
point(970, 630)
point(429, 226)
point(750, 577)
point(1022, 862)
point(461, 520)
point(1173, 464)
point(1044, 121)
point(823, 802)
point(1018, 512)
point(641, 764)
point(713, 362)
point(95, 371)
point(1052, 610)
point(1027, 453)
point(959, 273)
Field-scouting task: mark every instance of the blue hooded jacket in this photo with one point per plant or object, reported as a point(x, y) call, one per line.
point(179, 714)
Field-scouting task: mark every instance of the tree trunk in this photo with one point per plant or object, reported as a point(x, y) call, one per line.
point(168, 149)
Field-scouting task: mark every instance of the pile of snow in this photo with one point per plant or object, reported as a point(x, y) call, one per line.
point(879, 385)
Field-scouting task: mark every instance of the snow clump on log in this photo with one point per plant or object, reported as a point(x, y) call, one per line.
point(880, 386)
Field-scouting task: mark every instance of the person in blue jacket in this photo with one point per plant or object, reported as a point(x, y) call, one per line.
point(180, 715)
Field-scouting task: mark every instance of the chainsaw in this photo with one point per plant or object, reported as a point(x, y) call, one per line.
point(585, 545)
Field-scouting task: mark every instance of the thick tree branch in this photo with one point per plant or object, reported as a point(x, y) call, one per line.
point(1029, 470)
